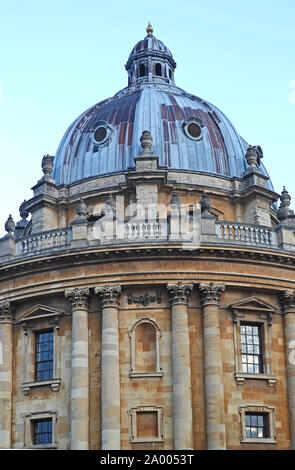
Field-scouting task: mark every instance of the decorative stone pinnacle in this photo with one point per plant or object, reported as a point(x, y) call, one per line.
point(210, 292)
point(205, 203)
point(284, 211)
point(251, 157)
point(23, 212)
point(10, 226)
point(6, 313)
point(47, 165)
point(287, 300)
point(149, 29)
point(175, 201)
point(146, 141)
point(179, 293)
point(82, 209)
point(78, 298)
point(110, 204)
point(109, 295)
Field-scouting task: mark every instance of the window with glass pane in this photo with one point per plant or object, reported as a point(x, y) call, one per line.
point(42, 431)
point(256, 425)
point(44, 356)
point(251, 343)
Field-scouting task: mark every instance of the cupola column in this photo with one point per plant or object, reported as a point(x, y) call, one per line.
point(110, 367)
point(182, 388)
point(80, 369)
point(288, 305)
point(214, 391)
point(6, 360)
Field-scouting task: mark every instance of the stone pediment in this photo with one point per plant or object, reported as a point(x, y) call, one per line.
point(252, 304)
point(39, 311)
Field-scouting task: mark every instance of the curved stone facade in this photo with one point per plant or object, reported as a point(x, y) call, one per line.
point(150, 308)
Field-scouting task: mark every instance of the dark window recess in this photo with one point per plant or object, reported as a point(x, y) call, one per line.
point(194, 130)
point(170, 74)
point(44, 356)
point(159, 70)
point(42, 431)
point(257, 425)
point(100, 134)
point(142, 70)
point(252, 348)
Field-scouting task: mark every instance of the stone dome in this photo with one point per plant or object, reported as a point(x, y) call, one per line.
point(189, 133)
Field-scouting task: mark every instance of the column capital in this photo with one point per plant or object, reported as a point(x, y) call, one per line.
point(179, 293)
point(287, 300)
point(6, 313)
point(210, 292)
point(79, 298)
point(109, 295)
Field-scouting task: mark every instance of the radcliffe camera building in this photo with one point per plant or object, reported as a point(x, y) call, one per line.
point(147, 294)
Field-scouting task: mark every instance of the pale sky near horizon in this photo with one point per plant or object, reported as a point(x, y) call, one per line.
point(60, 57)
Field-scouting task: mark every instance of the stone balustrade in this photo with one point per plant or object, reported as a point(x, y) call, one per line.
point(246, 233)
point(43, 242)
point(220, 233)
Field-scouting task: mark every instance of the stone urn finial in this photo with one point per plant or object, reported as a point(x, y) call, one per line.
point(10, 226)
point(284, 211)
point(175, 201)
point(146, 141)
point(251, 157)
point(82, 209)
point(47, 165)
point(205, 203)
point(110, 204)
point(23, 212)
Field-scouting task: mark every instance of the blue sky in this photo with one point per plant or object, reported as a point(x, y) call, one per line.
point(58, 58)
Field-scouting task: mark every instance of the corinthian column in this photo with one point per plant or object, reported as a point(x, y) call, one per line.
point(80, 369)
point(287, 299)
point(182, 389)
point(110, 367)
point(214, 392)
point(6, 357)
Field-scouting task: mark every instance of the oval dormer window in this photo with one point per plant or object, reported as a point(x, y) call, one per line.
point(193, 128)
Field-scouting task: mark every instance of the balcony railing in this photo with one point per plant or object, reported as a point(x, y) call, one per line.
point(221, 232)
point(246, 233)
point(43, 242)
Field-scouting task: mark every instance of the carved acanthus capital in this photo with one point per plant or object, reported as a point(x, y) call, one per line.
point(179, 293)
point(6, 313)
point(109, 295)
point(79, 298)
point(287, 300)
point(210, 293)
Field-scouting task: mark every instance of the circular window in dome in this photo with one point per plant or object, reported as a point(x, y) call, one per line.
point(100, 132)
point(193, 128)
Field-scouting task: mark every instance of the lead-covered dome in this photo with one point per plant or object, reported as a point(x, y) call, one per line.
point(189, 133)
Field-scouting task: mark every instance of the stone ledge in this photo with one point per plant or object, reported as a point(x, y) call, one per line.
point(258, 440)
point(54, 384)
point(241, 376)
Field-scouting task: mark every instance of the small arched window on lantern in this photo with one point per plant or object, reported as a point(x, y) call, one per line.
point(145, 349)
point(170, 74)
point(158, 70)
point(142, 70)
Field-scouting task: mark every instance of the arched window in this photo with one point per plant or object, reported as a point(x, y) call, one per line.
point(159, 70)
point(145, 349)
point(142, 70)
point(170, 74)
